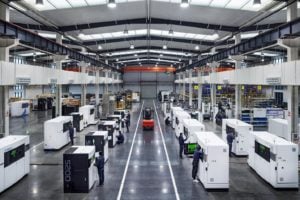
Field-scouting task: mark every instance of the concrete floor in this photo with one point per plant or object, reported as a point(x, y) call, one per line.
point(148, 175)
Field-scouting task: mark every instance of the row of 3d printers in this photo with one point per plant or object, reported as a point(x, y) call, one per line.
point(213, 170)
point(78, 161)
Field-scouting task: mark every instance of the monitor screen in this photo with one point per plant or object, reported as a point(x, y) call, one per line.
point(25, 105)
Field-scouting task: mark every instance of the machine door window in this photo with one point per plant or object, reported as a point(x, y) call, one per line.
point(262, 151)
point(14, 155)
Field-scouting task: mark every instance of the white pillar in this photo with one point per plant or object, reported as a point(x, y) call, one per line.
point(183, 86)
point(238, 92)
point(106, 82)
point(293, 91)
point(58, 92)
point(190, 88)
point(97, 90)
point(199, 91)
point(84, 85)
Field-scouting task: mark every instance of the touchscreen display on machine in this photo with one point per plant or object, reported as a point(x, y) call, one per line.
point(191, 148)
point(263, 151)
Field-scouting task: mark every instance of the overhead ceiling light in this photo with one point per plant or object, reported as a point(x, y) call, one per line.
point(131, 46)
point(216, 34)
point(256, 3)
point(39, 3)
point(156, 65)
point(135, 55)
point(197, 47)
point(165, 46)
point(99, 47)
point(81, 34)
point(125, 32)
point(184, 3)
point(117, 59)
point(111, 4)
point(161, 55)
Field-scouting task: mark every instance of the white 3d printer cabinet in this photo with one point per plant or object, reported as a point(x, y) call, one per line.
point(179, 117)
point(88, 112)
point(213, 168)
point(190, 126)
point(14, 160)
point(241, 131)
point(173, 109)
point(78, 172)
point(274, 159)
point(17, 108)
point(110, 127)
point(279, 127)
point(100, 140)
point(77, 121)
point(56, 132)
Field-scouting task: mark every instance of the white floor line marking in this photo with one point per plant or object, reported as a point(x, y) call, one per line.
point(35, 146)
point(167, 155)
point(129, 156)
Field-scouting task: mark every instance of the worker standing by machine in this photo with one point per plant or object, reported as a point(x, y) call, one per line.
point(127, 121)
point(71, 133)
point(181, 141)
point(100, 166)
point(197, 156)
point(230, 137)
point(120, 138)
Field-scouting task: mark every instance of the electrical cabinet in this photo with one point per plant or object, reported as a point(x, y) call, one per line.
point(274, 159)
point(190, 126)
point(213, 168)
point(173, 109)
point(100, 140)
point(78, 164)
point(88, 112)
point(19, 108)
point(179, 116)
point(14, 160)
point(56, 132)
point(77, 121)
point(110, 127)
point(241, 131)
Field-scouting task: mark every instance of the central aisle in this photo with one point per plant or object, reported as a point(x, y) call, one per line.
point(148, 175)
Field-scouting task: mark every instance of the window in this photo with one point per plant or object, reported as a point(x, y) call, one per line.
point(262, 151)
point(19, 91)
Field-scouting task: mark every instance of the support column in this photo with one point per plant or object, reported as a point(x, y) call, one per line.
point(238, 92)
point(97, 92)
point(5, 45)
point(106, 82)
point(83, 66)
point(183, 86)
point(190, 88)
point(293, 91)
point(58, 89)
point(113, 82)
point(199, 91)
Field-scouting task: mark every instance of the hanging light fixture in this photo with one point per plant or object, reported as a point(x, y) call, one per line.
point(216, 34)
point(131, 46)
point(81, 34)
point(256, 3)
point(161, 55)
point(165, 46)
point(100, 47)
point(184, 3)
point(111, 4)
point(197, 47)
point(39, 2)
point(135, 55)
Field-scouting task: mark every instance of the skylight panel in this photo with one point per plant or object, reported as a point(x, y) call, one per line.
point(190, 35)
point(118, 34)
point(200, 37)
point(141, 32)
point(155, 32)
point(78, 3)
point(48, 35)
point(131, 33)
point(97, 36)
point(60, 4)
point(237, 4)
point(219, 3)
point(248, 35)
point(106, 35)
point(178, 34)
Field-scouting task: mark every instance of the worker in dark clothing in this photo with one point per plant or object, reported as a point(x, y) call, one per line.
point(128, 117)
point(230, 137)
point(167, 121)
point(120, 138)
point(127, 122)
point(197, 156)
point(100, 166)
point(71, 133)
point(181, 141)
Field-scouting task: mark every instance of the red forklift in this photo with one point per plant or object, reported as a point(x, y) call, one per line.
point(148, 121)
